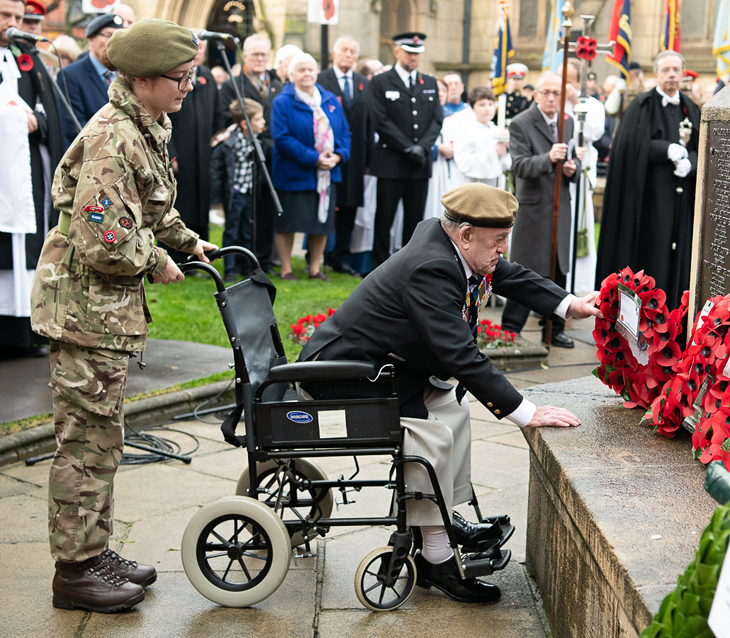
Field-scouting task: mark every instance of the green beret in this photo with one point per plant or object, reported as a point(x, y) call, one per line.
point(151, 47)
point(480, 205)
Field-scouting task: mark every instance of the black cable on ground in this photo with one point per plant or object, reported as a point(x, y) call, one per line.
point(162, 444)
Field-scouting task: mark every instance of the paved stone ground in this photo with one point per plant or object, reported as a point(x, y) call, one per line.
point(317, 599)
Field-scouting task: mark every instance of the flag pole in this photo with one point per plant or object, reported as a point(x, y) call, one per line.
point(567, 25)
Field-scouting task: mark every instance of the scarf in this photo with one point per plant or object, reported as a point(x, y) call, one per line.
point(324, 140)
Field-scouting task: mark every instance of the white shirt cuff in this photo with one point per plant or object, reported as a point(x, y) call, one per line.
point(523, 413)
point(562, 309)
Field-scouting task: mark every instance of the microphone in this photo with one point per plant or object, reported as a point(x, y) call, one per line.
point(16, 34)
point(213, 35)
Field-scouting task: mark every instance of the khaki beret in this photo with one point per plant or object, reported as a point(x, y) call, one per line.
point(151, 47)
point(480, 205)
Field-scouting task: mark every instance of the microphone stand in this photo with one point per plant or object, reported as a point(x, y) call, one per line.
point(259, 157)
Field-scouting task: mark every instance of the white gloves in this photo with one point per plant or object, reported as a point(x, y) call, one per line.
point(682, 167)
point(676, 152)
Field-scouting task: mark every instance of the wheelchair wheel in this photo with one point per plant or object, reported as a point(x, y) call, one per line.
point(371, 590)
point(236, 551)
point(310, 502)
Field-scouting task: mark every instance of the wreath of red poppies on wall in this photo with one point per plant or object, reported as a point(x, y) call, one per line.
point(704, 371)
point(638, 384)
point(25, 62)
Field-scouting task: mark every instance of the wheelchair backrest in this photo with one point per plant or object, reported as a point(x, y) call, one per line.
point(248, 315)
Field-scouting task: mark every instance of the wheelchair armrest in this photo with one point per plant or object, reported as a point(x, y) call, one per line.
point(322, 371)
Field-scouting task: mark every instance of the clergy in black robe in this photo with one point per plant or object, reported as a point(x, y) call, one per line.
point(643, 215)
point(193, 126)
point(46, 147)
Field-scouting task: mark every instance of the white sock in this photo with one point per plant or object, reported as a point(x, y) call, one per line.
point(436, 548)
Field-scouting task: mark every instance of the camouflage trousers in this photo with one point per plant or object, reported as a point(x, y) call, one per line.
point(88, 393)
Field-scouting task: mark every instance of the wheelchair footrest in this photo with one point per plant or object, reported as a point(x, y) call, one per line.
point(485, 565)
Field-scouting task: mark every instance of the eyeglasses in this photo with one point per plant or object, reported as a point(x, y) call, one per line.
point(257, 55)
point(182, 83)
point(546, 93)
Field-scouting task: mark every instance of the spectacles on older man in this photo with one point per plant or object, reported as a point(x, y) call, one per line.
point(182, 82)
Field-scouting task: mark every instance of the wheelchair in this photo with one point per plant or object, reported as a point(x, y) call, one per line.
point(236, 550)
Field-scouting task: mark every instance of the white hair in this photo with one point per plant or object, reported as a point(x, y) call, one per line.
point(256, 37)
point(287, 51)
point(298, 60)
point(346, 38)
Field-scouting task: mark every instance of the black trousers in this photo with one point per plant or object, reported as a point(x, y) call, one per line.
point(413, 192)
point(514, 315)
point(344, 223)
point(265, 216)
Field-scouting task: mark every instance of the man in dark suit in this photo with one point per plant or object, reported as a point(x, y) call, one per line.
point(407, 117)
point(87, 79)
point(535, 150)
point(32, 145)
point(255, 83)
point(193, 126)
point(353, 91)
point(418, 311)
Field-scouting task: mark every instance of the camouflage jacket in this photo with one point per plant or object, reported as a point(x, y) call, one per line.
point(116, 182)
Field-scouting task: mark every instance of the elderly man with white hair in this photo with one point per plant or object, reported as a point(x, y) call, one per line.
point(256, 83)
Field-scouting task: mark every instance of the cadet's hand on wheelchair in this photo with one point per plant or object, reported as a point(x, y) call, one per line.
point(170, 276)
point(547, 415)
point(203, 247)
point(584, 307)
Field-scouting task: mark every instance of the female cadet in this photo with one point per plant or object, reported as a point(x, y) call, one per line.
point(115, 191)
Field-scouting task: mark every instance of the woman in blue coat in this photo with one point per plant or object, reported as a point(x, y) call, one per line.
point(311, 140)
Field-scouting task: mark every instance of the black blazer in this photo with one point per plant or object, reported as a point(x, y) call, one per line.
point(350, 189)
point(402, 120)
point(87, 93)
point(408, 312)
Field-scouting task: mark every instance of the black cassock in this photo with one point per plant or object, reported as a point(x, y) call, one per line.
point(34, 86)
point(639, 222)
point(193, 126)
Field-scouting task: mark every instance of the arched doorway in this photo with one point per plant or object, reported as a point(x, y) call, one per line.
point(395, 17)
point(230, 16)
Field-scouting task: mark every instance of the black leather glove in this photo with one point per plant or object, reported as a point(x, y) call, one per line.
point(417, 154)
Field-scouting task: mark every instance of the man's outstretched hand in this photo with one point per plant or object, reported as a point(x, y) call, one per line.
point(583, 307)
point(547, 415)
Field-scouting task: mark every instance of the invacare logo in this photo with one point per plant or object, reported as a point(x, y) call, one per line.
point(299, 417)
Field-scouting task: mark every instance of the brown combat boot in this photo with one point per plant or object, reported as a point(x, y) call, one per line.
point(142, 575)
point(93, 586)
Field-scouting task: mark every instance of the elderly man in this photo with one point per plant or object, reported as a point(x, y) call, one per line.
point(536, 150)
point(88, 79)
point(353, 91)
point(646, 223)
point(256, 83)
point(407, 117)
point(454, 93)
point(418, 311)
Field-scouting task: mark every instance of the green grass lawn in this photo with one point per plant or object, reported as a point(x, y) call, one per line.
point(187, 311)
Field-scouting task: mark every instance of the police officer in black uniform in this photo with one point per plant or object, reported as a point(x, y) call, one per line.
point(407, 117)
point(516, 102)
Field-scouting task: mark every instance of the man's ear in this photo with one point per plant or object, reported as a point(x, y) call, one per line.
point(466, 234)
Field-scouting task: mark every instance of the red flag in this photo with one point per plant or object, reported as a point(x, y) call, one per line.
point(672, 33)
point(619, 31)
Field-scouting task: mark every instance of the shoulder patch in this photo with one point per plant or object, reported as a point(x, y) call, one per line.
point(94, 209)
point(110, 236)
point(126, 222)
point(106, 202)
point(96, 217)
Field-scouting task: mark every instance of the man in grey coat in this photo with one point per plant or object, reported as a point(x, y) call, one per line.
point(535, 150)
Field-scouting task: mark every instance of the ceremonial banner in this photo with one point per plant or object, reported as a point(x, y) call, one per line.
point(323, 11)
point(671, 39)
point(503, 50)
point(98, 6)
point(721, 41)
point(619, 31)
point(552, 58)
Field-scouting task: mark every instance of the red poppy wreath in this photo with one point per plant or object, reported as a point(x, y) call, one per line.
point(701, 386)
point(637, 368)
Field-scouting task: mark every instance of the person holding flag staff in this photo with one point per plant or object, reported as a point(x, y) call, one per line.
point(115, 191)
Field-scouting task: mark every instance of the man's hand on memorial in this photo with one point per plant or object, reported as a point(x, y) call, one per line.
point(682, 167)
point(569, 168)
point(584, 307)
point(417, 154)
point(557, 152)
point(547, 415)
point(675, 152)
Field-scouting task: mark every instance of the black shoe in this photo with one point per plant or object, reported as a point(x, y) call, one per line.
point(561, 340)
point(471, 535)
point(445, 576)
point(502, 519)
point(345, 269)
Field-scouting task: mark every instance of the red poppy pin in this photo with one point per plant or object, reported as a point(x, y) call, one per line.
point(332, 107)
point(360, 87)
point(420, 79)
point(25, 62)
point(202, 81)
